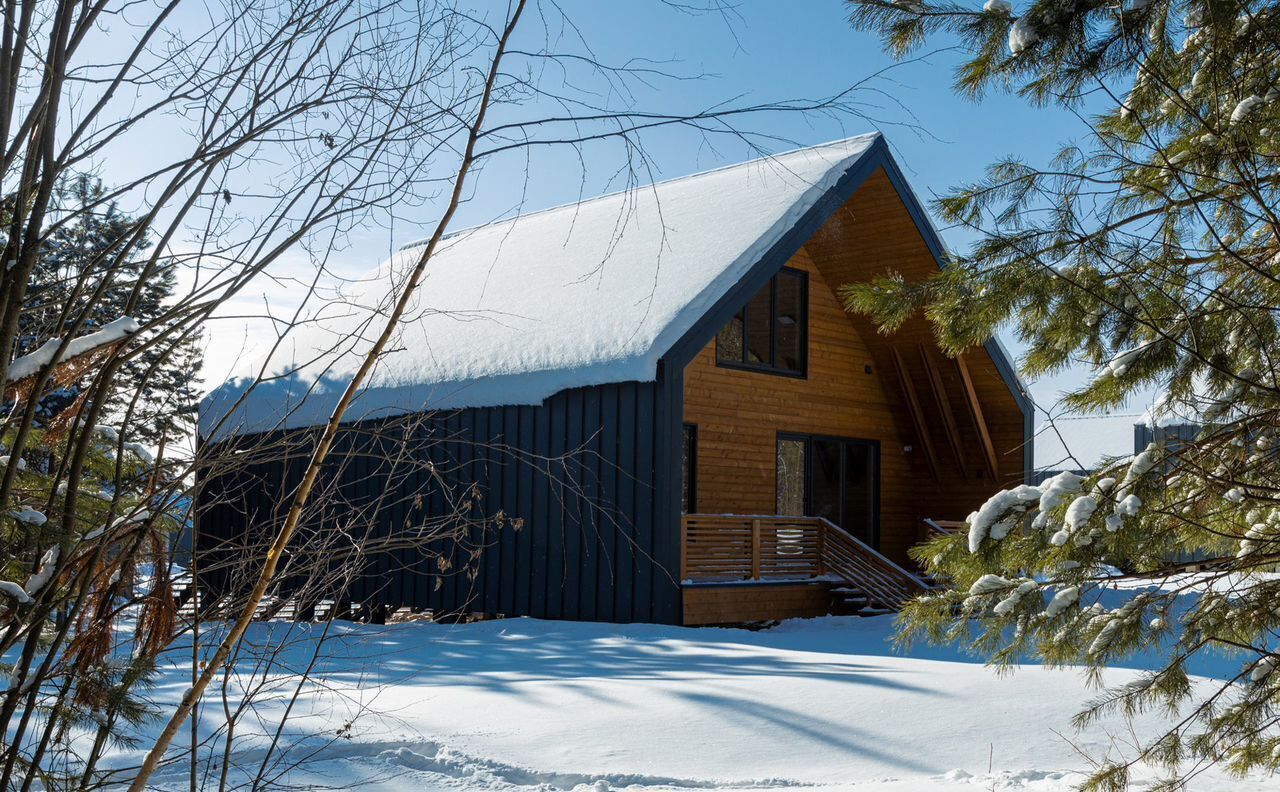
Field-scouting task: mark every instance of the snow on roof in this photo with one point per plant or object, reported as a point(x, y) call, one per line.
point(1163, 413)
point(515, 311)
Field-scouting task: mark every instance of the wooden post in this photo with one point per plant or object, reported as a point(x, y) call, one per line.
point(979, 422)
point(917, 415)
point(755, 549)
point(944, 409)
point(822, 548)
point(684, 547)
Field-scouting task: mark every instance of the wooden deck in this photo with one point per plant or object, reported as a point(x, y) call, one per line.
point(795, 563)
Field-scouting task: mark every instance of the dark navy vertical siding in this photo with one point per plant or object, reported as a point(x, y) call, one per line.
point(540, 540)
point(589, 530)
point(607, 465)
point(665, 539)
point(556, 513)
point(626, 534)
point(571, 592)
point(592, 517)
point(523, 560)
point(1174, 435)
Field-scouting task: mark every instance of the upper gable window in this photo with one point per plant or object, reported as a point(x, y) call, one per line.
point(770, 333)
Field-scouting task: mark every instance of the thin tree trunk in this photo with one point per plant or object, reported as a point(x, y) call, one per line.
point(195, 649)
point(277, 548)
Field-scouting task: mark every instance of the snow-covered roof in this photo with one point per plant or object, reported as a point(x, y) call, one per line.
point(515, 311)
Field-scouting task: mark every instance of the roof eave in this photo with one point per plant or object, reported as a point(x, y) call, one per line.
point(875, 157)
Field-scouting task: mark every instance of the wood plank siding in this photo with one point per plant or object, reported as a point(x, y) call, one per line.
point(853, 390)
point(735, 603)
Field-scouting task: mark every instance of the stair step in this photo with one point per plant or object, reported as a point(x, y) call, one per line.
point(849, 600)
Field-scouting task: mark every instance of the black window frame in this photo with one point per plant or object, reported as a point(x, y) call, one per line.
point(807, 473)
point(689, 474)
point(771, 367)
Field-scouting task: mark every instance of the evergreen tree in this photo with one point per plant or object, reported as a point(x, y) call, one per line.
point(1151, 251)
point(80, 277)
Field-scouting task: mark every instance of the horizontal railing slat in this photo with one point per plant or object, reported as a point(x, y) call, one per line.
point(760, 546)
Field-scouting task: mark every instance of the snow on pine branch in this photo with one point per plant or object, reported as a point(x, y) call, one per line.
point(1245, 108)
point(29, 516)
point(1022, 34)
point(1004, 510)
point(1122, 361)
point(38, 579)
point(11, 589)
point(1001, 512)
point(998, 515)
point(113, 332)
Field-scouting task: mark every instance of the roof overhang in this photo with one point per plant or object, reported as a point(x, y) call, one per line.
point(877, 157)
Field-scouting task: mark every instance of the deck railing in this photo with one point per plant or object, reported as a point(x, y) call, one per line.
point(931, 529)
point(729, 547)
point(945, 527)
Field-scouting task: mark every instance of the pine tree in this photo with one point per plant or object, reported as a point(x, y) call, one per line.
point(80, 272)
point(1149, 250)
point(85, 547)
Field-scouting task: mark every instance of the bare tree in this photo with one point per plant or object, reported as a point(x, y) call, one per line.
point(241, 137)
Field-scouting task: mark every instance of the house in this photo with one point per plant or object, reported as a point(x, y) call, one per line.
point(1172, 433)
point(656, 399)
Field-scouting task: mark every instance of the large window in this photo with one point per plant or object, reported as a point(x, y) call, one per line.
point(770, 332)
point(832, 477)
point(792, 483)
point(689, 470)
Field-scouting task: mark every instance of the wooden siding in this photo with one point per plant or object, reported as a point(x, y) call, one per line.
point(739, 603)
point(873, 235)
point(853, 389)
point(740, 413)
point(580, 471)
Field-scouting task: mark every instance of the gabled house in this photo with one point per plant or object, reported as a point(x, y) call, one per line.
point(661, 393)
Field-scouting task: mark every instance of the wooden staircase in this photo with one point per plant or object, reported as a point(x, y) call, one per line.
point(850, 601)
point(770, 548)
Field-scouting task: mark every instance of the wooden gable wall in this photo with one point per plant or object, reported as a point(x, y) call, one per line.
point(854, 389)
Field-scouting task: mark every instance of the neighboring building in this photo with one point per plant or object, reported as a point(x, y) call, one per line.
point(1171, 435)
point(1093, 439)
point(598, 369)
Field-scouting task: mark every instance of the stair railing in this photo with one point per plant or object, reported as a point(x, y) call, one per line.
point(866, 568)
point(753, 547)
point(943, 527)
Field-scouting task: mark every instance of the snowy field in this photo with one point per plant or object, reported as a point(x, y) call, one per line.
point(532, 705)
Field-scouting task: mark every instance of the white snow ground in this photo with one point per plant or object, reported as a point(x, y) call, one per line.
point(522, 704)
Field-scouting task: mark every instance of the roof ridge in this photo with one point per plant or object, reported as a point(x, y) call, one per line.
point(673, 180)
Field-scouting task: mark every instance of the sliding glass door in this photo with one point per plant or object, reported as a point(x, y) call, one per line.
point(832, 477)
